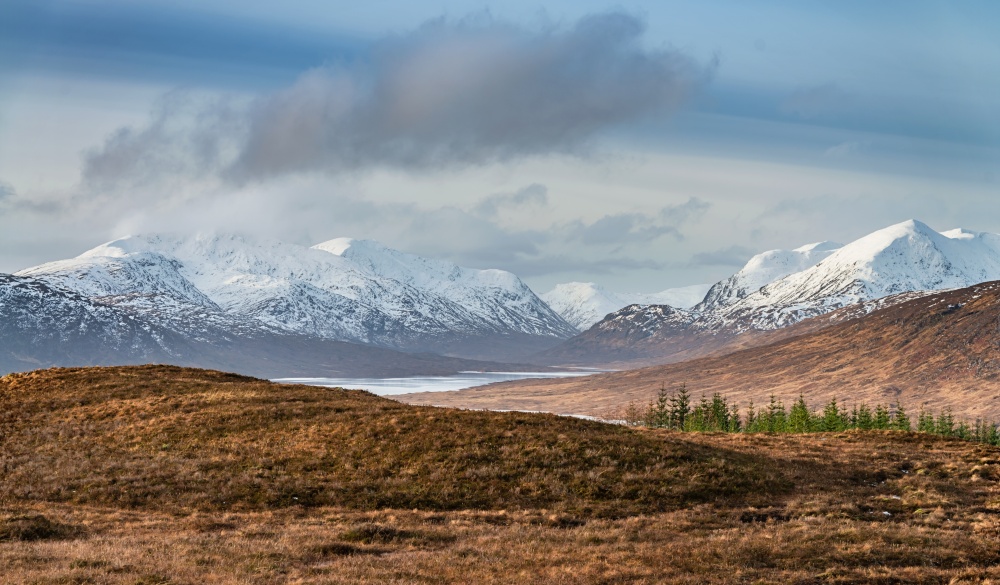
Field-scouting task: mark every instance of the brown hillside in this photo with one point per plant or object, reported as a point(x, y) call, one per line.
point(175, 439)
point(165, 475)
point(939, 351)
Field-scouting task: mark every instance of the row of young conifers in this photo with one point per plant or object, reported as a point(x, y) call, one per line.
point(677, 411)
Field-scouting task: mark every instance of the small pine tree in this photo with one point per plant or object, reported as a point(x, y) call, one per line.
point(851, 421)
point(777, 418)
point(864, 418)
point(900, 420)
point(945, 424)
point(991, 436)
point(799, 419)
point(925, 422)
point(734, 419)
point(883, 420)
point(696, 420)
point(680, 408)
point(978, 431)
point(752, 425)
point(659, 411)
point(833, 419)
point(718, 419)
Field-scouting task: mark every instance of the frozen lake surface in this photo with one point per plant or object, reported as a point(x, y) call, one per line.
point(392, 386)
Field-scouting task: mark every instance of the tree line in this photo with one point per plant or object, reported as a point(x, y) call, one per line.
point(677, 411)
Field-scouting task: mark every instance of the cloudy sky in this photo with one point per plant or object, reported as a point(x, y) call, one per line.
point(641, 145)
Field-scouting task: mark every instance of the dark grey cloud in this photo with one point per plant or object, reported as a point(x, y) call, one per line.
point(732, 256)
point(188, 137)
point(628, 228)
point(620, 228)
point(534, 194)
point(448, 95)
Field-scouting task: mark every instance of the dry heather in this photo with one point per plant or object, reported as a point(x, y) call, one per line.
point(936, 352)
point(162, 475)
point(166, 438)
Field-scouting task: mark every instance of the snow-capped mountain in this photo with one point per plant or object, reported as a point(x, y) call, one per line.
point(584, 303)
point(763, 269)
point(225, 286)
point(908, 256)
point(780, 288)
point(40, 325)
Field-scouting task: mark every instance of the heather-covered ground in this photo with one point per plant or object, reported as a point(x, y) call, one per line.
point(165, 475)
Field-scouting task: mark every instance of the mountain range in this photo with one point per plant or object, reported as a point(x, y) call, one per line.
point(350, 307)
point(780, 288)
point(221, 298)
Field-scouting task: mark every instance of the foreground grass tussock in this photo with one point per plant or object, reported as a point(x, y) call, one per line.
point(161, 475)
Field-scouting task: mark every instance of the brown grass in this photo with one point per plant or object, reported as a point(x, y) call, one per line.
point(579, 502)
point(920, 353)
point(173, 439)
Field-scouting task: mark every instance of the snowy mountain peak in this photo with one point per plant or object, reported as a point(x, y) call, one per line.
point(586, 303)
point(908, 256)
point(336, 246)
point(582, 303)
point(763, 269)
point(343, 289)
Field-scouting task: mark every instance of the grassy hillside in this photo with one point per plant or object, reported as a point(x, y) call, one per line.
point(168, 438)
point(936, 352)
point(164, 475)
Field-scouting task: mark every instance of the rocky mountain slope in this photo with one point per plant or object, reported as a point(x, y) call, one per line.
point(909, 257)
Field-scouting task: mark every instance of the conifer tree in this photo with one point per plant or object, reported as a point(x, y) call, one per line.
point(865, 420)
point(833, 419)
point(799, 419)
point(695, 421)
point(900, 420)
point(752, 424)
point(680, 408)
point(659, 411)
point(992, 436)
point(718, 413)
point(734, 419)
point(945, 424)
point(882, 419)
point(777, 418)
point(925, 422)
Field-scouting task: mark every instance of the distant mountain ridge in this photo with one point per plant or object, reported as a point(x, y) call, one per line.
point(225, 288)
point(584, 303)
point(807, 282)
